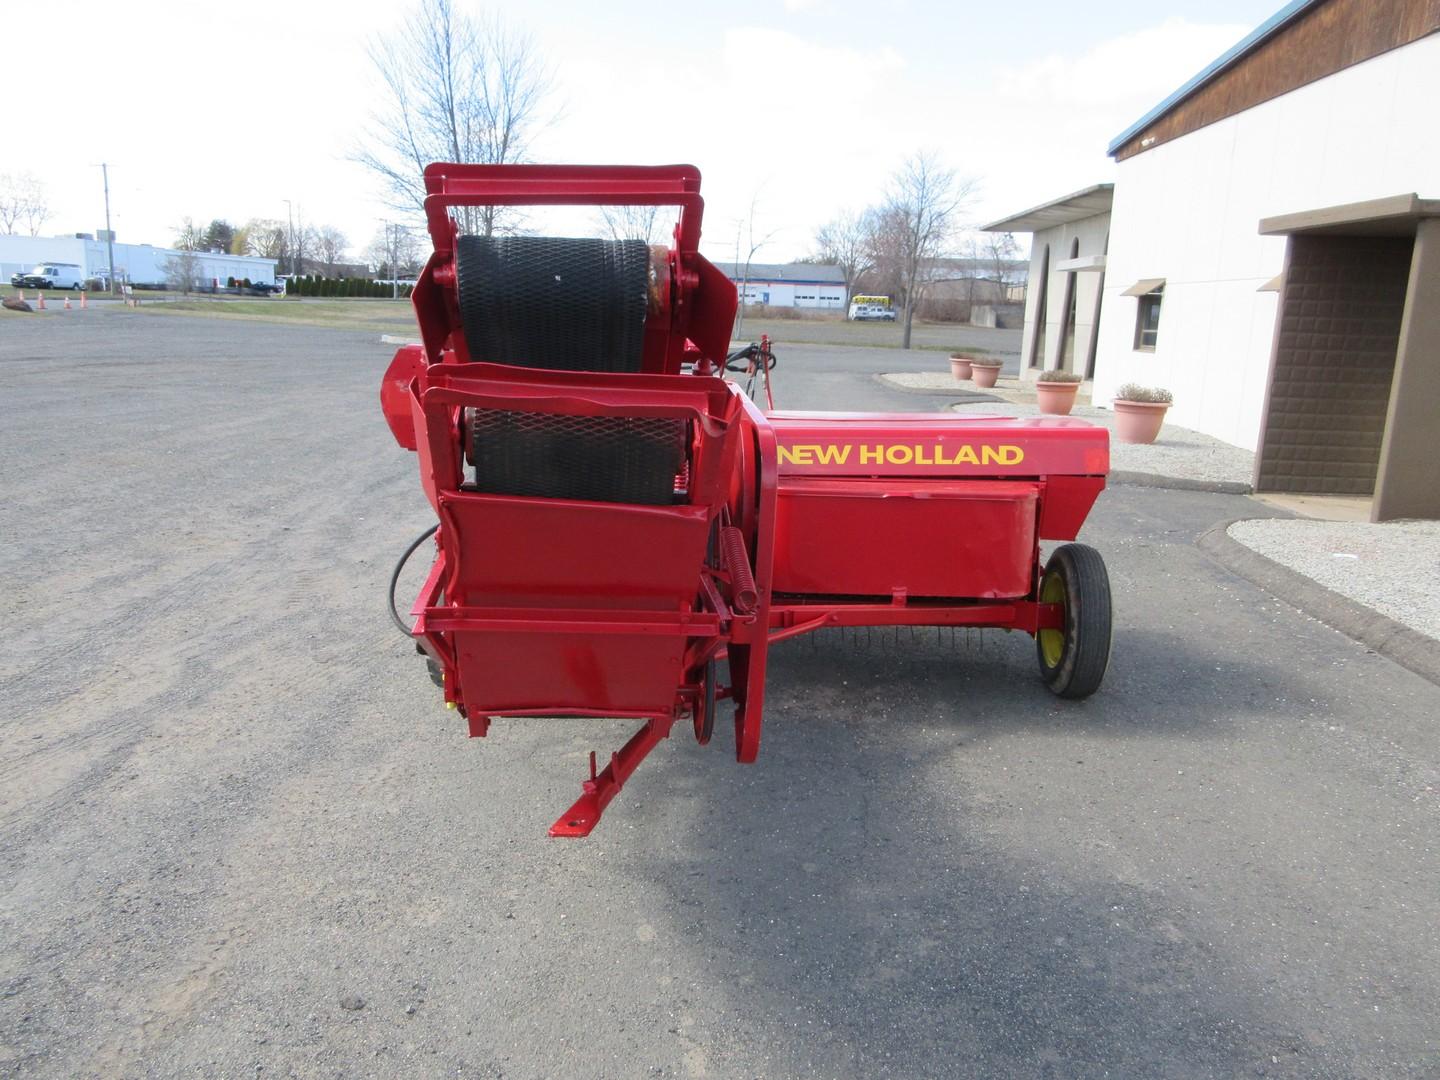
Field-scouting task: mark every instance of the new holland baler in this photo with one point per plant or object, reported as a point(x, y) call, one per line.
point(623, 533)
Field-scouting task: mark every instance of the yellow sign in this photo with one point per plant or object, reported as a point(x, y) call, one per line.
point(899, 454)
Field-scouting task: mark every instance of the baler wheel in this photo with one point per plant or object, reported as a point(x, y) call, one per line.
point(1073, 660)
point(705, 707)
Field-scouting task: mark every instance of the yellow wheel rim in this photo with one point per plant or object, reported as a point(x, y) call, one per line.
point(1052, 642)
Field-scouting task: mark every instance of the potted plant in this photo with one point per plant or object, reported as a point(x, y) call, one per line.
point(1055, 391)
point(960, 365)
point(984, 372)
point(1139, 412)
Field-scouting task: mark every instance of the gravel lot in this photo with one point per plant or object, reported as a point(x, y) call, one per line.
point(239, 837)
point(1393, 567)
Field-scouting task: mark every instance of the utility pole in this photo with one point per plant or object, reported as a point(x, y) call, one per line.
point(290, 237)
point(109, 233)
point(392, 241)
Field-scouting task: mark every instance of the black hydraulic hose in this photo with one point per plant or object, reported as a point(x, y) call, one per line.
point(748, 354)
point(395, 578)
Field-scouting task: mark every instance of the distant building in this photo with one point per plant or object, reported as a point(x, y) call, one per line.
point(1274, 253)
point(1069, 236)
point(801, 285)
point(140, 264)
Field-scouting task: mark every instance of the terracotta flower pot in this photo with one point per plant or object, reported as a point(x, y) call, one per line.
point(984, 374)
point(960, 367)
point(1056, 398)
point(1139, 421)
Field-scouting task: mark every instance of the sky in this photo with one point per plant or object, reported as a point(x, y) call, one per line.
point(794, 110)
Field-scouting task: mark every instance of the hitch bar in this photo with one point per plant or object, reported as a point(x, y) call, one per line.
point(582, 817)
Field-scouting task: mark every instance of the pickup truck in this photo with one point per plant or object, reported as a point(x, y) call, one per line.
point(51, 276)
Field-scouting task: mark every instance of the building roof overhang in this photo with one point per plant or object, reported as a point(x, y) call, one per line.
point(1395, 215)
point(1078, 205)
point(1247, 44)
point(1145, 286)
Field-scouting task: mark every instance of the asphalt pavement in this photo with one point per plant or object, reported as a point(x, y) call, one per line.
point(240, 837)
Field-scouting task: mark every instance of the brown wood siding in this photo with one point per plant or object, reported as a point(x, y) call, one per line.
point(1328, 38)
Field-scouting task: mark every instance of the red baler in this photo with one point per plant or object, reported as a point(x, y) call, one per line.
point(624, 533)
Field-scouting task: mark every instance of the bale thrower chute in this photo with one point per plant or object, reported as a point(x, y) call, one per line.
point(623, 533)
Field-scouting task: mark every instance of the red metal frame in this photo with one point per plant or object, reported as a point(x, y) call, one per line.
point(785, 522)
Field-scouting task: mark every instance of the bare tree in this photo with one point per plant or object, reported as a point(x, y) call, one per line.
point(189, 236)
point(330, 244)
point(459, 89)
point(746, 227)
point(37, 209)
point(182, 270)
point(397, 244)
point(301, 247)
point(920, 214)
point(12, 203)
point(885, 250)
point(263, 237)
point(22, 199)
point(1000, 250)
point(632, 223)
point(842, 241)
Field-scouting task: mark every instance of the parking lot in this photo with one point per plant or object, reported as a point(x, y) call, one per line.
point(239, 835)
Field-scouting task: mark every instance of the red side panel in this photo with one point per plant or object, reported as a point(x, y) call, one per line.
point(409, 363)
point(937, 445)
point(554, 553)
point(519, 669)
point(1067, 503)
point(970, 539)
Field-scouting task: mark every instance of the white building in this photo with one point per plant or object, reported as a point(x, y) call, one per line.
point(1063, 299)
point(140, 264)
point(1274, 255)
point(801, 285)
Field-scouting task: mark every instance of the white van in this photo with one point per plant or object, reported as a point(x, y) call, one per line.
point(51, 276)
point(871, 312)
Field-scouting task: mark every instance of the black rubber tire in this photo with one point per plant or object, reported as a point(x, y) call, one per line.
point(561, 303)
point(704, 718)
point(1085, 651)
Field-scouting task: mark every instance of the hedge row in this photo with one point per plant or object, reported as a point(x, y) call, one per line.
point(311, 285)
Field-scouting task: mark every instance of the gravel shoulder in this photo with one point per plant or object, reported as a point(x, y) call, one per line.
point(1393, 567)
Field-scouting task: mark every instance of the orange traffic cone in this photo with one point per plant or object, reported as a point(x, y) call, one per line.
point(67, 303)
point(40, 303)
point(84, 300)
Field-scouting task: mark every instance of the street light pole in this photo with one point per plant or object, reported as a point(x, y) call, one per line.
point(109, 233)
point(290, 237)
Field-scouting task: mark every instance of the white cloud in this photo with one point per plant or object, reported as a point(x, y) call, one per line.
point(803, 123)
point(1143, 66)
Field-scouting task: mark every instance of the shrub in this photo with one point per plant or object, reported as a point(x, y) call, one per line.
point(1056, 375)
point(1135, 392)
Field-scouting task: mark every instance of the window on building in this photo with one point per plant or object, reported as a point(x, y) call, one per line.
point(1148, 293)
point(1147, 319)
